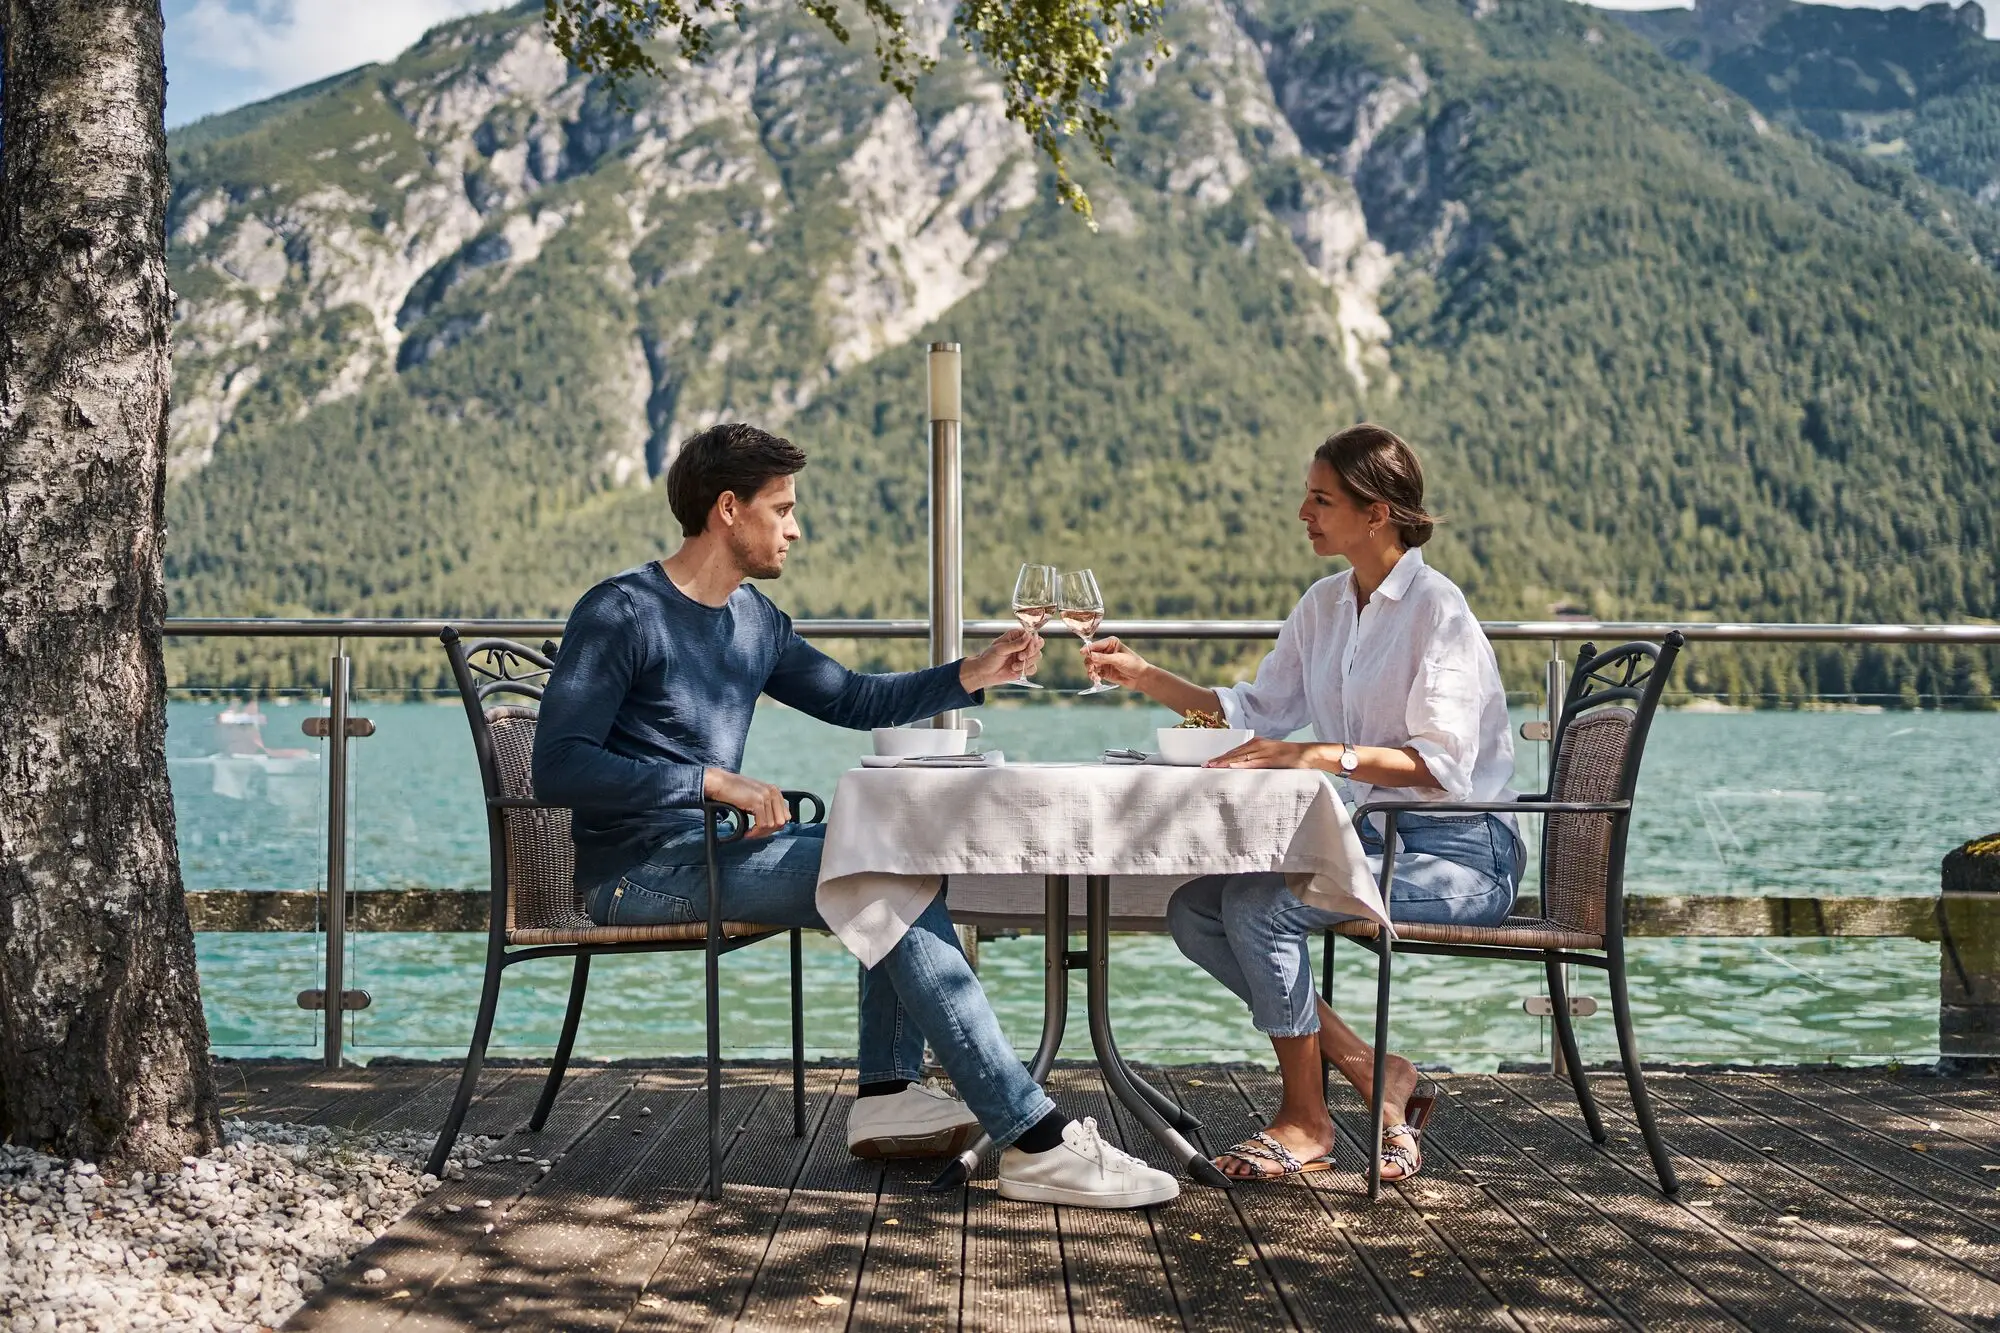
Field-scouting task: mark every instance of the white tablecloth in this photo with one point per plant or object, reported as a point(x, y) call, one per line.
point(893, 832)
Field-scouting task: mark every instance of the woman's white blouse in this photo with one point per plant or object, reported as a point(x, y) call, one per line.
point(1413, 671)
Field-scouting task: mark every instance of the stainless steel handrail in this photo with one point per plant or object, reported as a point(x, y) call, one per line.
point(1543, 630)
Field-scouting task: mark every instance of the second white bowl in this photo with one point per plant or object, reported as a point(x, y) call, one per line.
point(1198, 745)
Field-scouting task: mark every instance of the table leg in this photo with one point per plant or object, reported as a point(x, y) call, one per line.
point(1055, 1017)
point(1124, 1084)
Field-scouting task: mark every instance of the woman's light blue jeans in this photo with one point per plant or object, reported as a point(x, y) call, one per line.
point(924, 988)
point(1249, 932)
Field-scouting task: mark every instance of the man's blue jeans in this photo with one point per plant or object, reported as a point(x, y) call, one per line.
point(924, 988)
point(1249, 932)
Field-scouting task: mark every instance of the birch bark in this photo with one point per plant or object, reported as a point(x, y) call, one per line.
point(103, 1047)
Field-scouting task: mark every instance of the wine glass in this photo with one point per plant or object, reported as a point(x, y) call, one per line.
point(1083, 612)
point(1034, 603)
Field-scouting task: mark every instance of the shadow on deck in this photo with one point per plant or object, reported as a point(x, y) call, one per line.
point(1810, 1200)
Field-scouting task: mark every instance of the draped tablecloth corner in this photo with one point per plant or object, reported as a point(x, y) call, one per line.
point(893, 833)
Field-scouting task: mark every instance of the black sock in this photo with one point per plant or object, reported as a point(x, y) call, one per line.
point(1044, 1134)
point(887, 1087)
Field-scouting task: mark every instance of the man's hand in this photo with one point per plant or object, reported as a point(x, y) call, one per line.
point(765, 804)
point(1112, 660)
point(1013, 655)
point(1261, 753)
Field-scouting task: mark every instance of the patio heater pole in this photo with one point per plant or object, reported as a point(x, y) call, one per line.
point(947, 502)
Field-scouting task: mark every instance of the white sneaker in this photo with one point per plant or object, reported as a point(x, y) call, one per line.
point(1085, 1172)
point(923, 1120)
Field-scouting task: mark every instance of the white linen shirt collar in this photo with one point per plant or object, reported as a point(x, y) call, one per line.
point(1412, 669)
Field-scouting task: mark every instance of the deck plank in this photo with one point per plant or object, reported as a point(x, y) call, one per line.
point(426, 1244)
point(1111, 1259)
point(810, 1266)
point(1201, 1235)
point(1615, 1264)
point(693, 1272)
point(1620, 1181)
point(1312, 1262)
point(1948, 1135)
point(1518, 1221)
point(1931, 1173)
point(1815, 1235)
point(1013, 1269)
point(1431, 1283)
point(912, 1271)
point(539, 1241)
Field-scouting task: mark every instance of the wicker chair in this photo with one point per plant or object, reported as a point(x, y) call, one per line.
point(1599, 741)
point(537, 912)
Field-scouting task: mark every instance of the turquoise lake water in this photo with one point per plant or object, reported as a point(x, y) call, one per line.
point(1743, 803)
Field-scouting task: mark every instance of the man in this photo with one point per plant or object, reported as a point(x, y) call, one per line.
point(646, 715)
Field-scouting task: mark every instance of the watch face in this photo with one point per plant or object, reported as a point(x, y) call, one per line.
point(1349, 761)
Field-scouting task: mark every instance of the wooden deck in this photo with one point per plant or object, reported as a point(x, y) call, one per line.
point(1809, 1201)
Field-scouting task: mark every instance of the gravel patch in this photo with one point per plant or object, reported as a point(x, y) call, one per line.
point(235, 1240)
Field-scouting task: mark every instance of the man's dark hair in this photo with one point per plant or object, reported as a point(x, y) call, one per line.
point(729, 457)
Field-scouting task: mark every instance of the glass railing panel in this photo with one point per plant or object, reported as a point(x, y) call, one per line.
point(1805, 803)
point(416, 820)
point(250, 814)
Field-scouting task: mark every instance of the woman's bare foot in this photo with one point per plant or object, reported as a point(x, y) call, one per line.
point(1301, 1141)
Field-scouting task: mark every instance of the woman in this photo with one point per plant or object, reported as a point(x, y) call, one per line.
point(1386, 662)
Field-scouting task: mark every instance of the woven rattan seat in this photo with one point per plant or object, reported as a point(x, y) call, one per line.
point(1516, 932)
point(693, 932)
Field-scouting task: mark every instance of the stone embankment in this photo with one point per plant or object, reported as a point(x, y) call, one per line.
point(233, 1240)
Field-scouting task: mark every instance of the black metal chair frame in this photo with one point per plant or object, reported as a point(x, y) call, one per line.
point(1633, 673)
point(489, 667)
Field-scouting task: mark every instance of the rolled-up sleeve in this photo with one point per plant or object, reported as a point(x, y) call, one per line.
point(1443, 712)
point(1274, 703)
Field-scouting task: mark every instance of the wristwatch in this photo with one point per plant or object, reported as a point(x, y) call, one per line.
point(1349, 760)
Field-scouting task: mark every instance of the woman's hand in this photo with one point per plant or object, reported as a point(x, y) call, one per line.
point(1110, 659)
point(1014, 654)
point(1261, 753)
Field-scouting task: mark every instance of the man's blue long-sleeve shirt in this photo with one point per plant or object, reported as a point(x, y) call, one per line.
point(653, 687)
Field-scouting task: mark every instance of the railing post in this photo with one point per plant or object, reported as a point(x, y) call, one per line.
point(947, 499)
point(336, 854)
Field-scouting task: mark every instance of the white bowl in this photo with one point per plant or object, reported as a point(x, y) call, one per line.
point(1198, 745)
point(904, 742)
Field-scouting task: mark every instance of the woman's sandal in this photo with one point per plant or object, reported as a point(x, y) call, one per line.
point(1261, 1147)
point(1404, 1159)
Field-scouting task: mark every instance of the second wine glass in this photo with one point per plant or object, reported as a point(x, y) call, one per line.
point(1083, 612)
point(1034, 602)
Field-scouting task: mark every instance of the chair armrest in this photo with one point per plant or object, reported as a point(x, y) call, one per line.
point(739, 820)
point(520, 803)
point(1530, 807)
point(819, 807)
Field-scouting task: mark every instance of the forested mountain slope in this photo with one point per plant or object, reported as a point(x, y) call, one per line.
point(1914, 86)
point(441, 319)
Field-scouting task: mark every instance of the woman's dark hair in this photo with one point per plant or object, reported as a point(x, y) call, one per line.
point(729, 457)
point(1375, 466)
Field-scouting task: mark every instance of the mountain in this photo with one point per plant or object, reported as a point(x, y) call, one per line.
point(1919, 87)
point(441, 321)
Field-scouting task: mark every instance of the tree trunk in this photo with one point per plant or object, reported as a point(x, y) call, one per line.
point(103, 1046)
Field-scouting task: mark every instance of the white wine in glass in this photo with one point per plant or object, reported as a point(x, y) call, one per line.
point(1034, 602)
point(1083, 612)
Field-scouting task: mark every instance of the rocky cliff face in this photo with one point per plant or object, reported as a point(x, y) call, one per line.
point(377, 229)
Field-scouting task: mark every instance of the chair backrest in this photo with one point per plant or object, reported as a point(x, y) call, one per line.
point(534, 858)
point(1599, 743)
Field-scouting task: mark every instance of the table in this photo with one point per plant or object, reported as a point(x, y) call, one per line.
point(1129, 831)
